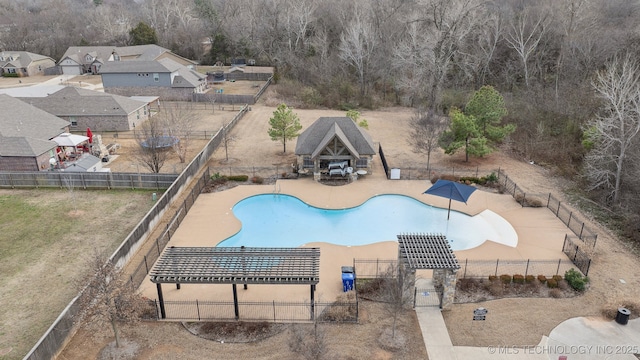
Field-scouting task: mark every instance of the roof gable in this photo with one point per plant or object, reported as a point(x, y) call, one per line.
point(326, 128)
point(25, 120)
point(335, 132)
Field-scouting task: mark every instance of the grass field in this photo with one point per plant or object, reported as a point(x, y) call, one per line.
point(46, 238)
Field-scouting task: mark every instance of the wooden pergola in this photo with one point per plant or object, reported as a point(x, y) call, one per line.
point(427, 251)
point(236, 265)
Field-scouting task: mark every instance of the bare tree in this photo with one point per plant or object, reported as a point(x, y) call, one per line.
point(226, 141)
point(309, 342)
point(525, 34)
point(611, 134)
point(357, 45)
point(179, 123)
point(397, 291)
point(426, 127)
point(152, 140)
point(109, 297)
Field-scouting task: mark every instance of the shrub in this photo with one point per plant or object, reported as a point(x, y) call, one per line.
point(552, 283)
point(218, 179)
point(557, 278)
point(493, 278)
point(505, 279)
point(239, 178)
point(529, 279)
point(518, 279)
point(556, 293)
point(496, 289)
point(468, 284)
point(542, 278)
point(575, 279)
point(257, 180)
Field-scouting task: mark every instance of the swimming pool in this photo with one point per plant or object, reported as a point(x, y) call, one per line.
point(277, 220)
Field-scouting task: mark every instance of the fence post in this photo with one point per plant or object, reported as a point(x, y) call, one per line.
point(569, 222)
point(564, 243)
point(588, 266)
point(145, 264)
point(415, 295)
point(464, 276)
point(558, 211)
point(526, 270)
point(158, 246)
point(524, 199)
point(497, 262)
point(274, 311)
point(198, 309)
point(558, 269)
point(548, 200)
point(582, 228)
point(576, 254)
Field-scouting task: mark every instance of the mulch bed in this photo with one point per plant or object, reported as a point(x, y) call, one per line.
point(478, 290)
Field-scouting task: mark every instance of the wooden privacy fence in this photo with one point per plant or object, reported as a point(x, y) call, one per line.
point(86, 180)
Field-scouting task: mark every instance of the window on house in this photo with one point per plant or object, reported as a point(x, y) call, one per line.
point(156, 77)
point(73, 121)
point(89, 58)
point(39, 67)
point(307, 162)
point(116, 57)
point(361, 163)
point(138, 114)
point(1, 58)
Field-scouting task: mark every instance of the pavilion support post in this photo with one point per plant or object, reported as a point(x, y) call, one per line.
point(163, 313)
point(178, 286)
point(313, 302)
point(235, 301)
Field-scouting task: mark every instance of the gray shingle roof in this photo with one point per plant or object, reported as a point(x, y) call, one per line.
point(28, 121)
point(358, 140)
point(21, 58)
point(72, 101)
point(77, 53)
point(22, 146)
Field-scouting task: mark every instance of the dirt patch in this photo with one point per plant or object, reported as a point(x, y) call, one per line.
point(234, 332)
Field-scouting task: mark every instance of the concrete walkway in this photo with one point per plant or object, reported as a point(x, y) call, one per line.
point(577, 339)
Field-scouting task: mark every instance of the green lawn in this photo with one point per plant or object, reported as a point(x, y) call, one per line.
point(46, 238)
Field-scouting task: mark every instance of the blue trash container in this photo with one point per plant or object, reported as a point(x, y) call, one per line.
point(348, 278)
point(347, 282)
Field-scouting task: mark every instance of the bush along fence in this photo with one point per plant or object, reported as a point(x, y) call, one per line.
point(274, 311)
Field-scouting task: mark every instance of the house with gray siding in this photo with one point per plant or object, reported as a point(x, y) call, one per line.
point(164, 78)
point(96, 110)
point(25, 136)
point(78, 60)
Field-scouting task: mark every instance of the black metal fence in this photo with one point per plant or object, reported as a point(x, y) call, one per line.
point(142, 270)
point(485, 268)
point(275, 311)
point(85, 180)
point(373, 268)
point(577, 255)
point(573, 221)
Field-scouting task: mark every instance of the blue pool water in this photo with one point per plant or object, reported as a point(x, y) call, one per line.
point(285, 221)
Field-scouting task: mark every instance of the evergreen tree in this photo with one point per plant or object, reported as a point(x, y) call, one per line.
point(285, 125)
point(143, 34)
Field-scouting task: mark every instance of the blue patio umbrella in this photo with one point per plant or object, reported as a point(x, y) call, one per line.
point(451, 190)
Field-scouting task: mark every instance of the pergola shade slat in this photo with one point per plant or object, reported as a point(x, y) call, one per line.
point(235, 265)
point(427, 251)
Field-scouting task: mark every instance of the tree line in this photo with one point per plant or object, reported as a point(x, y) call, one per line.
point(558, 64)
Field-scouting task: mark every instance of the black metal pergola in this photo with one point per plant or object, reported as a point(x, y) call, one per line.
point(236, 265)
point(427, 251)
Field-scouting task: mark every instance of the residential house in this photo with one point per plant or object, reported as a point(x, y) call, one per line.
point(164, 78)
point(23, 63)
point(96, 110)
point(25, 136)
point(78, 60)
point(334, 141)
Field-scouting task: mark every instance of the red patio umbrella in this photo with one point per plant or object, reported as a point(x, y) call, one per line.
point(90, 135)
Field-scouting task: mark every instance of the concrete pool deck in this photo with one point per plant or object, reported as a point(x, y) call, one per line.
point(211, 220)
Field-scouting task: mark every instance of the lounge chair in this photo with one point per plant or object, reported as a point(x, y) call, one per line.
point(338, 164)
